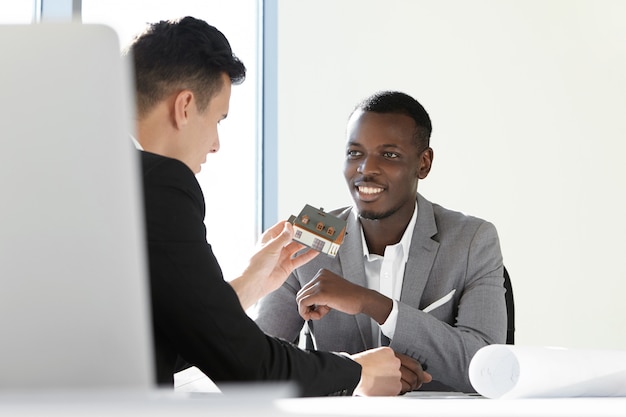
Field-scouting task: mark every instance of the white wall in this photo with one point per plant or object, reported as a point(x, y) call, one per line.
point(527, 100)
point(235, 163)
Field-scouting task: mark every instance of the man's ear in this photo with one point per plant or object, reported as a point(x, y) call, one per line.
point(426, 162)
point(182, 104)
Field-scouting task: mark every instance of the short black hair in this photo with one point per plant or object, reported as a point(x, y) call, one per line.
point(185, 53)
point(401, 103)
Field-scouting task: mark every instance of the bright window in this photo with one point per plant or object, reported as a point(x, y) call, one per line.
point(16, 11)
point(229, 178)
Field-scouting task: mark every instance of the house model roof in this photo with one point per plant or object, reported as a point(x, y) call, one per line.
point(325, 228)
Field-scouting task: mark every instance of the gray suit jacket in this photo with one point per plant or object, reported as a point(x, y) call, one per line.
point(449, 251)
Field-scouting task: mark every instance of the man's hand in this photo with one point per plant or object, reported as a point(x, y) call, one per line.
point(380, 373)
point(328, 291)
point(276, 247)
point(272, 263)
point(413, 376)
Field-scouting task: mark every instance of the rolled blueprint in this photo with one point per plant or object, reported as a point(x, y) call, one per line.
point(509, 371)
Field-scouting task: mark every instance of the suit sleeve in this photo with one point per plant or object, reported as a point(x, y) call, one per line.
point(277, 313)
point(478, 309)
point(197, 315)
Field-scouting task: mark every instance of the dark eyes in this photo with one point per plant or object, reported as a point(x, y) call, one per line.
point(390, 155)
point(352, 154)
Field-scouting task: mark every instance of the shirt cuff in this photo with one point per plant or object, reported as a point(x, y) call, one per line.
point(389, 326)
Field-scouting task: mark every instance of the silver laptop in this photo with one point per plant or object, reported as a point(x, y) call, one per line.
point(74, 306)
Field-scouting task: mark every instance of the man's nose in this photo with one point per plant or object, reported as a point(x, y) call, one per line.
point(368, 165)
point(216, 145)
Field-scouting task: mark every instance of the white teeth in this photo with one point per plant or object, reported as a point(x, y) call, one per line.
point(370, 190)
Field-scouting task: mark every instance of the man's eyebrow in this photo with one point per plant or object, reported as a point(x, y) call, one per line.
point(384, 145)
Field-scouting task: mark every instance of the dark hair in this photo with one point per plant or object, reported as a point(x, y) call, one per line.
point(186, 53)
point(401, 103)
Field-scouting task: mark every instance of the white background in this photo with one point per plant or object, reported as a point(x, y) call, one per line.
point(228, 178)
point(527, 100)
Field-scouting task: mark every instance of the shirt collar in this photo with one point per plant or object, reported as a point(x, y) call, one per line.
point(136, 142)
point(405, 242)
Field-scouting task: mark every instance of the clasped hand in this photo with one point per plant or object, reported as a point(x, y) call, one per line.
point(385, 372)
point(328, 291)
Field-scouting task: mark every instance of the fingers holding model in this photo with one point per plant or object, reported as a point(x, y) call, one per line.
point(278, 240)
point(272, 263)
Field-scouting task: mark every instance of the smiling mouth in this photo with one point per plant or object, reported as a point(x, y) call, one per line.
point(369, 194)
point(369, 190)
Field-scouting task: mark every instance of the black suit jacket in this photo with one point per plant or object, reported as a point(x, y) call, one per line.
point(197, 315)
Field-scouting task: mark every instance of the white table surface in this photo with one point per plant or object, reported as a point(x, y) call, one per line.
point(259, 402)
point(196, 395)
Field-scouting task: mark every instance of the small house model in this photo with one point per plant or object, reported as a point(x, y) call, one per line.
point(318, 230)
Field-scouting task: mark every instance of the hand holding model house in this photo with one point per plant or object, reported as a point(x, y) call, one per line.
point(318, 230)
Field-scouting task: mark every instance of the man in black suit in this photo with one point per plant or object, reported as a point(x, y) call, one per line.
point(184, 70)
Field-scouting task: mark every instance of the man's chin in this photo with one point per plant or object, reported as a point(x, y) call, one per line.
point(371, 215)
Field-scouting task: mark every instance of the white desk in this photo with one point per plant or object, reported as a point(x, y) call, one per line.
point(429, 406)
point(196, 395)
point(159, 404)
point(421, 404)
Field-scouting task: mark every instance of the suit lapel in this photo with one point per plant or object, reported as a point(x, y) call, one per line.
point(421, 254)
point(351, 259)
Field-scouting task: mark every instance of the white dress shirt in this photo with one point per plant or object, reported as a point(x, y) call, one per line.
point(385, 274)
point(136, 142)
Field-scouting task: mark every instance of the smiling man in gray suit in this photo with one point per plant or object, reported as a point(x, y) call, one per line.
point(426, 280)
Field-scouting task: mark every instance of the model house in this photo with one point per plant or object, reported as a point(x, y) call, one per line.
point(318, 230)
